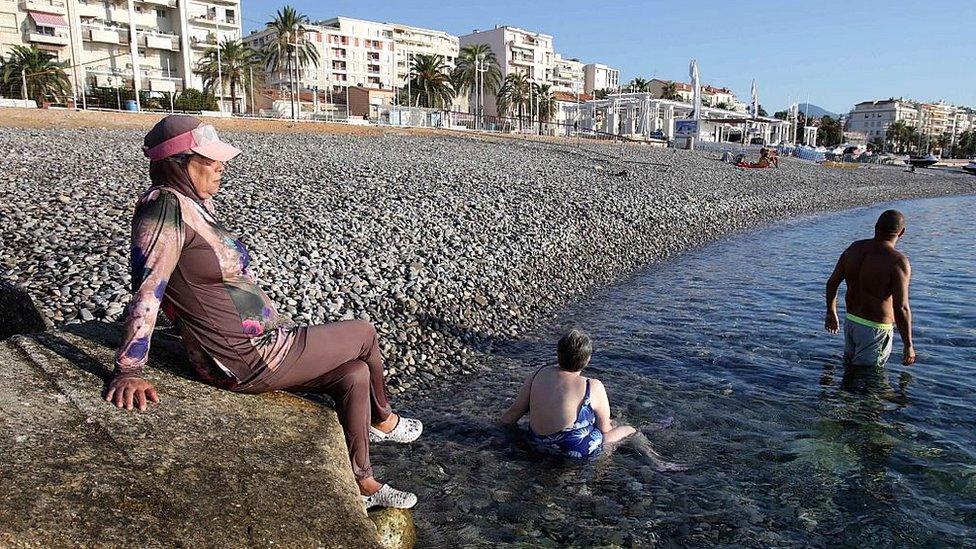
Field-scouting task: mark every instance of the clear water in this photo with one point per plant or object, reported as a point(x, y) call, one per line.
point(784, 449)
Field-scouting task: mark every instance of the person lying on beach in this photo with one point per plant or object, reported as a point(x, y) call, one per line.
point(764, 161)
point(569, 415)
point(877, 277)
point(187, 264)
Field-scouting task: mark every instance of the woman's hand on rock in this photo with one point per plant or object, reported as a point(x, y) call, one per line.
point(131, 392)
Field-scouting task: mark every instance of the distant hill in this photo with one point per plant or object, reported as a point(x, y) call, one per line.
point(816, 112)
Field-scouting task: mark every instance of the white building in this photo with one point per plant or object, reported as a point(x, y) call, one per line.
point(411, 41)
point(151, 45)
point(568, 75)
point(356, 52)
point(872, 118)
point(643, 116)
point(518, 51)
point(600, 77)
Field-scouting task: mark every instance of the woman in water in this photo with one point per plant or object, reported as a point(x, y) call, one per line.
point(569, 415)
point(185, 262)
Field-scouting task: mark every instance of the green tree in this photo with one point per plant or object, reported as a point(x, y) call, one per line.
point(670, 91)
point(467, 74)
point(45, 77)
point(830, 132)
point(192, 99)
point(781, 115)
point(638, 85)
point(966, 145)
point(289, 41)
point(762, 111)
point(602, 94)
point(429, 82)
point(545, 103)
point(513, 96)
point(723, 105)
point(237, 62)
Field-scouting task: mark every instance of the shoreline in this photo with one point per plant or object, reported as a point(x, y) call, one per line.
point(445, 243)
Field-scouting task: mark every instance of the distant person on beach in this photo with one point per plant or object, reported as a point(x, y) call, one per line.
point(877, 278)
point(569, 415)
point(764, 161)
point(187, 264)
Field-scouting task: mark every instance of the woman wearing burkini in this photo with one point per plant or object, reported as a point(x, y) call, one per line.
point(186, 263)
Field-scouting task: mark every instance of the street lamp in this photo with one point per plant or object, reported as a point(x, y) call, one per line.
point(480, 68)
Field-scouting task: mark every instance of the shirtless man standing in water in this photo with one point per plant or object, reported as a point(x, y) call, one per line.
point(877, 279)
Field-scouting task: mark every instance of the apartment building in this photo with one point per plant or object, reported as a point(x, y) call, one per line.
point(356, 52)
point(568, 75)
point(151, 45)
point(518, 52)
point(410, 41)
point(712, 96)
point(600, 77)
point(872, 118)
point(683, 90)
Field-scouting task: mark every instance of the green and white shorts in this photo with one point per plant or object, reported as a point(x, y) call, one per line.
point(867, 343)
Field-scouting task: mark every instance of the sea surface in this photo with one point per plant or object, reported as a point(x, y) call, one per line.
point(783, 446)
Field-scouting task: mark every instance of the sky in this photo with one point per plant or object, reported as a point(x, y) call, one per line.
point(831, 53)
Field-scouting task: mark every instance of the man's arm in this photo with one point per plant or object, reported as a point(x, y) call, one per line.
point(903, 312)
point(831, 324)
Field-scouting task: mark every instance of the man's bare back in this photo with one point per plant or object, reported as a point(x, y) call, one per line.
point(877, 277)
point(871, 269)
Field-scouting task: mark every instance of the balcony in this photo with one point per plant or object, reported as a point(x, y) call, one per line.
point(160, 3)
point(57, 39)
point(104, 35)
point(159, 41)
point(47, 6)
point(522, 60)
point(199, 43)
point(108, 78)
point(211, 19)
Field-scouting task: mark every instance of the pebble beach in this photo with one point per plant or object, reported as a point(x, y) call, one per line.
point(446, 243)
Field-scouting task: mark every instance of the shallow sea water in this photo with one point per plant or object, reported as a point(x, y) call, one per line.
point(784, 446)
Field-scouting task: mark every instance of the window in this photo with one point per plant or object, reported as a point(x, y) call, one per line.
point(8, 21)
point(46, 31)
point(161, 14)
point(229, 15)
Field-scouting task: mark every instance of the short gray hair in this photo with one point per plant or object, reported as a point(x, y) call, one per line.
point(574, 350)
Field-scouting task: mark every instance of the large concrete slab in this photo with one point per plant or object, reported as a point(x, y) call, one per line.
point(204, 468)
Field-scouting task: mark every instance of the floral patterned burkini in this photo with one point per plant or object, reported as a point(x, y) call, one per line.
point(187, 264)
point(580, 440)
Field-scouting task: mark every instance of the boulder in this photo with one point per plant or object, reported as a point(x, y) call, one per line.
point(394, 528)
point(204, 468)
point(18, 315)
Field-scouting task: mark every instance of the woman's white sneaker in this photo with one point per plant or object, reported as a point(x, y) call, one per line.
point(406, 430)
point(388, 496)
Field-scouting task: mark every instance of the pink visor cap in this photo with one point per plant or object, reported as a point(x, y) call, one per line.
point(202, 140)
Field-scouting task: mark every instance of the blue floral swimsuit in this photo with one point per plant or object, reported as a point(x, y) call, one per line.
point(581, 440)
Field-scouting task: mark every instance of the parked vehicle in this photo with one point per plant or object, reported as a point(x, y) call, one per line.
point(971, 167)
point(921, 161)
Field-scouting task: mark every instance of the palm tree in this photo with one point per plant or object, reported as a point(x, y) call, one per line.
point(289, 40)
point(638, 85)
point(545, 103)
point(236, 62)
point(44, 76)
point(430, 81)
point(670, 91)
point(602, 94)
point(456, 77)
point(514, 94)
point(467, 65)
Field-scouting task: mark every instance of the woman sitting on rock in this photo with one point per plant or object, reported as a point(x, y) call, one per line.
point(569, 415)
point(185, 262)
